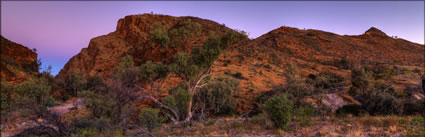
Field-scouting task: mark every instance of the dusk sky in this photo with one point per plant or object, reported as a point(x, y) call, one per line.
point(60, 29)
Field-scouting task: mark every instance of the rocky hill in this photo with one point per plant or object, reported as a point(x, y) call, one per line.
point(259, 63)
point(264, 60)
point(17, 61)
point(140, 36)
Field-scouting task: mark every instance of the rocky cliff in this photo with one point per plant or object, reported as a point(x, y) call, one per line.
point(17, 61)
point(132, 37)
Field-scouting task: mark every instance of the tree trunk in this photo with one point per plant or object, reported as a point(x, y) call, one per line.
point(189, 110)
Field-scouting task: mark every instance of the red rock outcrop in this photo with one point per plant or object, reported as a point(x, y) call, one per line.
point(131, 38)
point(17, 61)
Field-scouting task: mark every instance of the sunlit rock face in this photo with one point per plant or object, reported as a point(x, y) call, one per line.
point(17, 61)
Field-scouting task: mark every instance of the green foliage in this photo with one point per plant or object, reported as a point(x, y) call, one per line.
point(125, 64)
point(211, 50)
point(149, 118)
point(304, 115)
point(381, 103)
point(159, 34)
point(126, 73)
point(362, 81)
point(37, 89)
point(232, 36)
point(185, 30)
point(290, 74)
point(388, 88)
point(100, 124)
point(178, 101)
point(96, 83)
point(216, 97)
point(73, 83)
point(99, 105)
point(5, 97)
point(184, 67)
point(259, 119)
point(325, 81)
point(237, 75)
point(298, 90)
point(384, 72)
point(150, 71)
point(50, 102)
point(279, 110)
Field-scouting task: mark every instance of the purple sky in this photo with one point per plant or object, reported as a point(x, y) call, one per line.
point(59, 30)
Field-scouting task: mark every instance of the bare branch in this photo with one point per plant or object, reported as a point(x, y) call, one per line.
point(200, 79)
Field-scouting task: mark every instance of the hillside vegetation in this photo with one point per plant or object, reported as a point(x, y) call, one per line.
point(159, 75)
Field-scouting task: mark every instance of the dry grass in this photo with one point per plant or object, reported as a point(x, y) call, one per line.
point(330, 126)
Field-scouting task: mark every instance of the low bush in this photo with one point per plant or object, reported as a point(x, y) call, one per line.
point(304, 115)
point(50, 102)
point(217, 96)
point(99, 105)
point(73, 83)
point(178, 101)
point(96, 83)
point(259, 119)
point(279, 110)
point(237, 75)
point(352, 109)
point(380, 103)
point(362, 81)
point(412, 107)
point(343, 63)
point(37, 89)
point(149, 118)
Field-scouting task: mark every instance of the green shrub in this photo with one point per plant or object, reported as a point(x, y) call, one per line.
point(98, 104)
point(238, 75)
point(89, 123)
point(325, 82)
point(37, 89)
point(217, 96)
point(149, 118)
point(303, 115)
point(380, 103)
point(96, 83)
point(279, 110)
point(159, 34)
point(259, 119)
point(178, 101)
point(73, 83)
point(185, 30)
point(150, 71)
point(362, 81)
point(50, 102)
point(299, 90)
point(5, 97)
